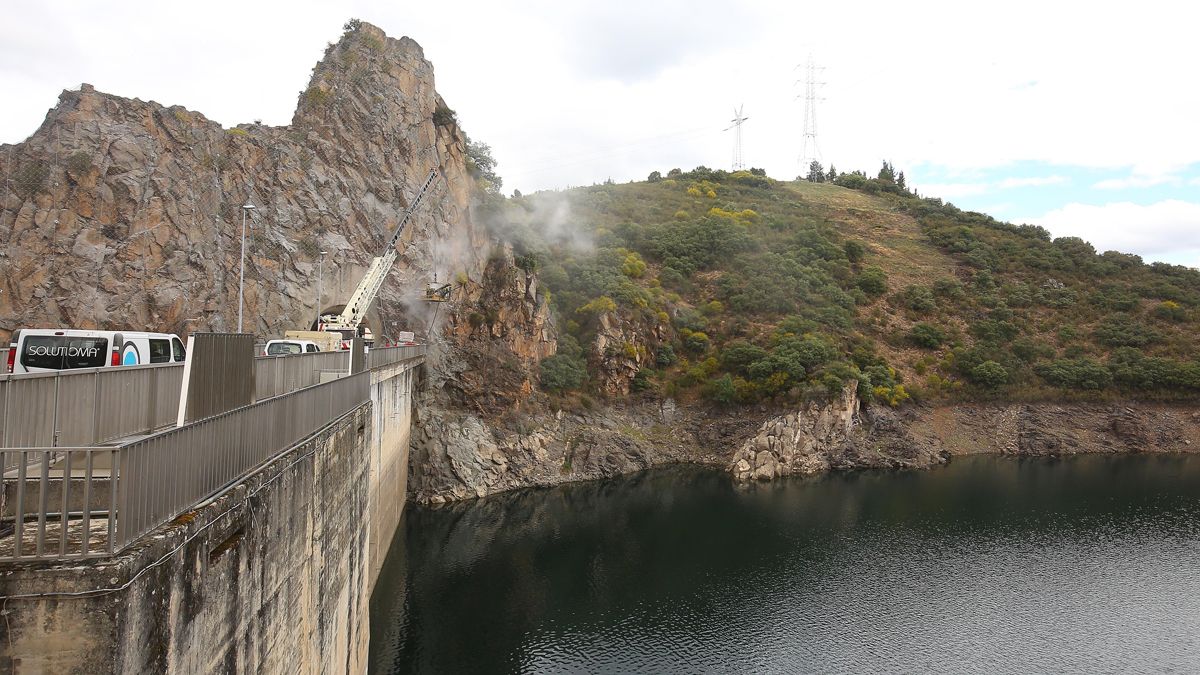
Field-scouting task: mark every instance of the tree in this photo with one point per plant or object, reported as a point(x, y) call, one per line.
point(989, 374)
point(832, 175)
point(561, 372)
point(887, 172)
point(655, 176)
point(927, 336)
point(482, 166)
point(900, 181)
point(721, 389)
point(872, 281)
point(816, 174)
point(854, 251)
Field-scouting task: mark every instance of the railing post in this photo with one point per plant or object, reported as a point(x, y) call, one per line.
point(96, 407)
point(54, 425)
point(152, 400)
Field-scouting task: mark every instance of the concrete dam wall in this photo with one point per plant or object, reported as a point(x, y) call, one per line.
point(274, 575)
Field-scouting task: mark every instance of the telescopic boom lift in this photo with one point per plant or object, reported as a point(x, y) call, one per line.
point(348, 322)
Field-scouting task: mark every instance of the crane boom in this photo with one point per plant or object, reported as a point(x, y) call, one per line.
point(372, 281)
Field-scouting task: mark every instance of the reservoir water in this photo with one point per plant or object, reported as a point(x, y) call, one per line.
point(988, 565)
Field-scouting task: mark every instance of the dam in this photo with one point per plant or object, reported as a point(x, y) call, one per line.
point(246, 534)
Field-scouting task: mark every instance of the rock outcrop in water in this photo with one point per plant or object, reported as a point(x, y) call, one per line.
point(838, 434)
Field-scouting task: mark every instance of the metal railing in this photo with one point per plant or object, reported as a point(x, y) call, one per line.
point(385, 356)
point(77, 500)
point(58, 502)
point(167, 474)
point(87, 502)
point(87, 407)
point(275, 375)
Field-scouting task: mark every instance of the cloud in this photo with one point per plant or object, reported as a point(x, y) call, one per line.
point(1136, 181)
point(956, 190)
point(1154, 231)
point(635, 42)
point(953, 190)
point(1031, 181)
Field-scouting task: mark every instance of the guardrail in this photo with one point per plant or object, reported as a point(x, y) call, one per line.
point(87, 407)
point(384, 356)
point(275, 375)
point(77, 500)
point(87, 502)
point(95, 406)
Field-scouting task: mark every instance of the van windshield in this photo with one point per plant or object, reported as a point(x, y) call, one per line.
point(58, 352)
point(281, 348)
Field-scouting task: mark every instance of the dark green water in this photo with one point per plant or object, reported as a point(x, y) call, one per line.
point(1083, 565)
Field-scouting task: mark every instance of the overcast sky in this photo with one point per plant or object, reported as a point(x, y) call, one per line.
point(1083, 117)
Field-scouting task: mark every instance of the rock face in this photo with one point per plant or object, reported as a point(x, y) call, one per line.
point(619, 352)
point(499, 328)
point(1048, 429)
point(839, 434)
point(458, 455)
point(124, 213)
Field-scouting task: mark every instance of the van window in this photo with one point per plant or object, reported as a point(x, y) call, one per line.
point(180, 352)
point(63, 351)
point(160, 351)
point(311, 348)
point(281, 348)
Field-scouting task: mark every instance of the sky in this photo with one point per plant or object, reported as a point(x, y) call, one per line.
point(1083, 118)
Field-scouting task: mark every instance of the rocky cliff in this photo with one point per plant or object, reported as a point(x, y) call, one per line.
point(125, 213)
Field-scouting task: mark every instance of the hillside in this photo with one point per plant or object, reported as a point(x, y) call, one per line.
point(738, 288)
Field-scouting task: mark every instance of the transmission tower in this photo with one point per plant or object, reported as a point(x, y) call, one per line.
point(736, 125)
point(809, 151)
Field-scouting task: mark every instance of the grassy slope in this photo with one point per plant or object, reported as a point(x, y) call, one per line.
point(783, 269)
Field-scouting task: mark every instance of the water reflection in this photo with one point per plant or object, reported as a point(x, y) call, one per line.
point(988, 565)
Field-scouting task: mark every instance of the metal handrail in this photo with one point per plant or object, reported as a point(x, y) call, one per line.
point(83, 501)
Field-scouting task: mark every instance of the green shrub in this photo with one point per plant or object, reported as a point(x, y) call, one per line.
point(998, 332)
point(696, 342)
point(872, 281)
point(1169, 310)
point(927, 336)
point(855, 251)
point(443, 116)
point(1030, 350)
point(919, 299)
point(561, 372)
point(641, 380)
point(721, 389)
point(665, 356)
point(739, 354)
point(1078, 373)
point(989, 374)
point(1123, 330)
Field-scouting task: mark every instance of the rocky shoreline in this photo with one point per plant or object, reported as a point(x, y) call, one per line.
point(458, 456)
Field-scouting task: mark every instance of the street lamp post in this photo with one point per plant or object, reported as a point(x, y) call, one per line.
point(246, 208)
point(320, 278)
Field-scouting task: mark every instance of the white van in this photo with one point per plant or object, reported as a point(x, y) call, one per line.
point(287, 347)
point(36, 350)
